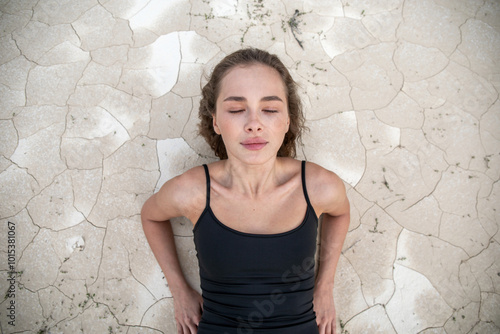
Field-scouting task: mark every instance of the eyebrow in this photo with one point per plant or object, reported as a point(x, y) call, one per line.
point(242, 99)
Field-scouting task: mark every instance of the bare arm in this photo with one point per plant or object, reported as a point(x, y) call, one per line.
point(332, 201)
point(155, 215)
point(333, 233)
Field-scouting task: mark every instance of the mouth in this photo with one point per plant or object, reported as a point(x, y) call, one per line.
point(254, 144)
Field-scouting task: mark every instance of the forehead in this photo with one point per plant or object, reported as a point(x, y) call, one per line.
point(255, 79)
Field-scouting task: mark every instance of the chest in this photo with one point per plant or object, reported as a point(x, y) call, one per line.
point(278, 212)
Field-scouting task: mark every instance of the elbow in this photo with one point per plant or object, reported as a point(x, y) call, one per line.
point(145, 212)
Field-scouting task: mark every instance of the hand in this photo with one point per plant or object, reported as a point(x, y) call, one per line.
point(325, 311)
point(188, 308)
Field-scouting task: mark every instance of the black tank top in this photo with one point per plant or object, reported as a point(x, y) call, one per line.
point(256, 283)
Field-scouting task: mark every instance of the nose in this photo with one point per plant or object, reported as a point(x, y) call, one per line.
point(253, 124)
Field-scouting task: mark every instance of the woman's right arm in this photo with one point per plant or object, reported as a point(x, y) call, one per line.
point(156, 213)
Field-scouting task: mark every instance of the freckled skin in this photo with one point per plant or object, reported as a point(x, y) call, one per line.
point(252, 103)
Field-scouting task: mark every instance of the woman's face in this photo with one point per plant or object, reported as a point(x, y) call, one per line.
point(251, 113)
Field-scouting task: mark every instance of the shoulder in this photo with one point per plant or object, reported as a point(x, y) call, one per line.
point(183, 195)
point(326, 190)
point(189, 184)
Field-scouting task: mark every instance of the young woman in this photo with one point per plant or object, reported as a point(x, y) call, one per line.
point(254, 212)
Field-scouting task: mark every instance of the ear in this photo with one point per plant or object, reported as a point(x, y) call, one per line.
point(214, 123)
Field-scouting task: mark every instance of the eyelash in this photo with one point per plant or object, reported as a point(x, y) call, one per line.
point(240, 110)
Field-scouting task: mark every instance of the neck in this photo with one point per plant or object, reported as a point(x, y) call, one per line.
point(252, 180)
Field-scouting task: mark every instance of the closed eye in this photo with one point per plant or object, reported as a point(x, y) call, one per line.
point(236, 111)
point(270, 110)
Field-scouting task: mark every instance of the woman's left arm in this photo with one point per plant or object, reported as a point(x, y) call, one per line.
point(335, 224)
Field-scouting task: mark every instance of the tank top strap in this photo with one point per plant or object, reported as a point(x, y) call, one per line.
point(207, 174)
point(304, 188)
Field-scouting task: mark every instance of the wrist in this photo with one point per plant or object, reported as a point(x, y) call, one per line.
point(178, 287)
point(324, 286)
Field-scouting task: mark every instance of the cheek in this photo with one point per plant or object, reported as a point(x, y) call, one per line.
point(226, 127)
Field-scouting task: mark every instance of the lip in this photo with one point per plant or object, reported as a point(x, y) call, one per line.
point(254, 144)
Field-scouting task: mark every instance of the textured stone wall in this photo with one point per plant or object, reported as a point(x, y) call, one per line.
point(98, 107)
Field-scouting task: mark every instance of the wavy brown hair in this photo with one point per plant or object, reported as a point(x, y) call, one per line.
point(211, 90)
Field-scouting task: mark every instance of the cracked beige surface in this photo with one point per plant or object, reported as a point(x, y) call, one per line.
point(98, 108)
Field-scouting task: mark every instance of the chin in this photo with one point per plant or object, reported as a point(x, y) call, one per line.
point(255, 158)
